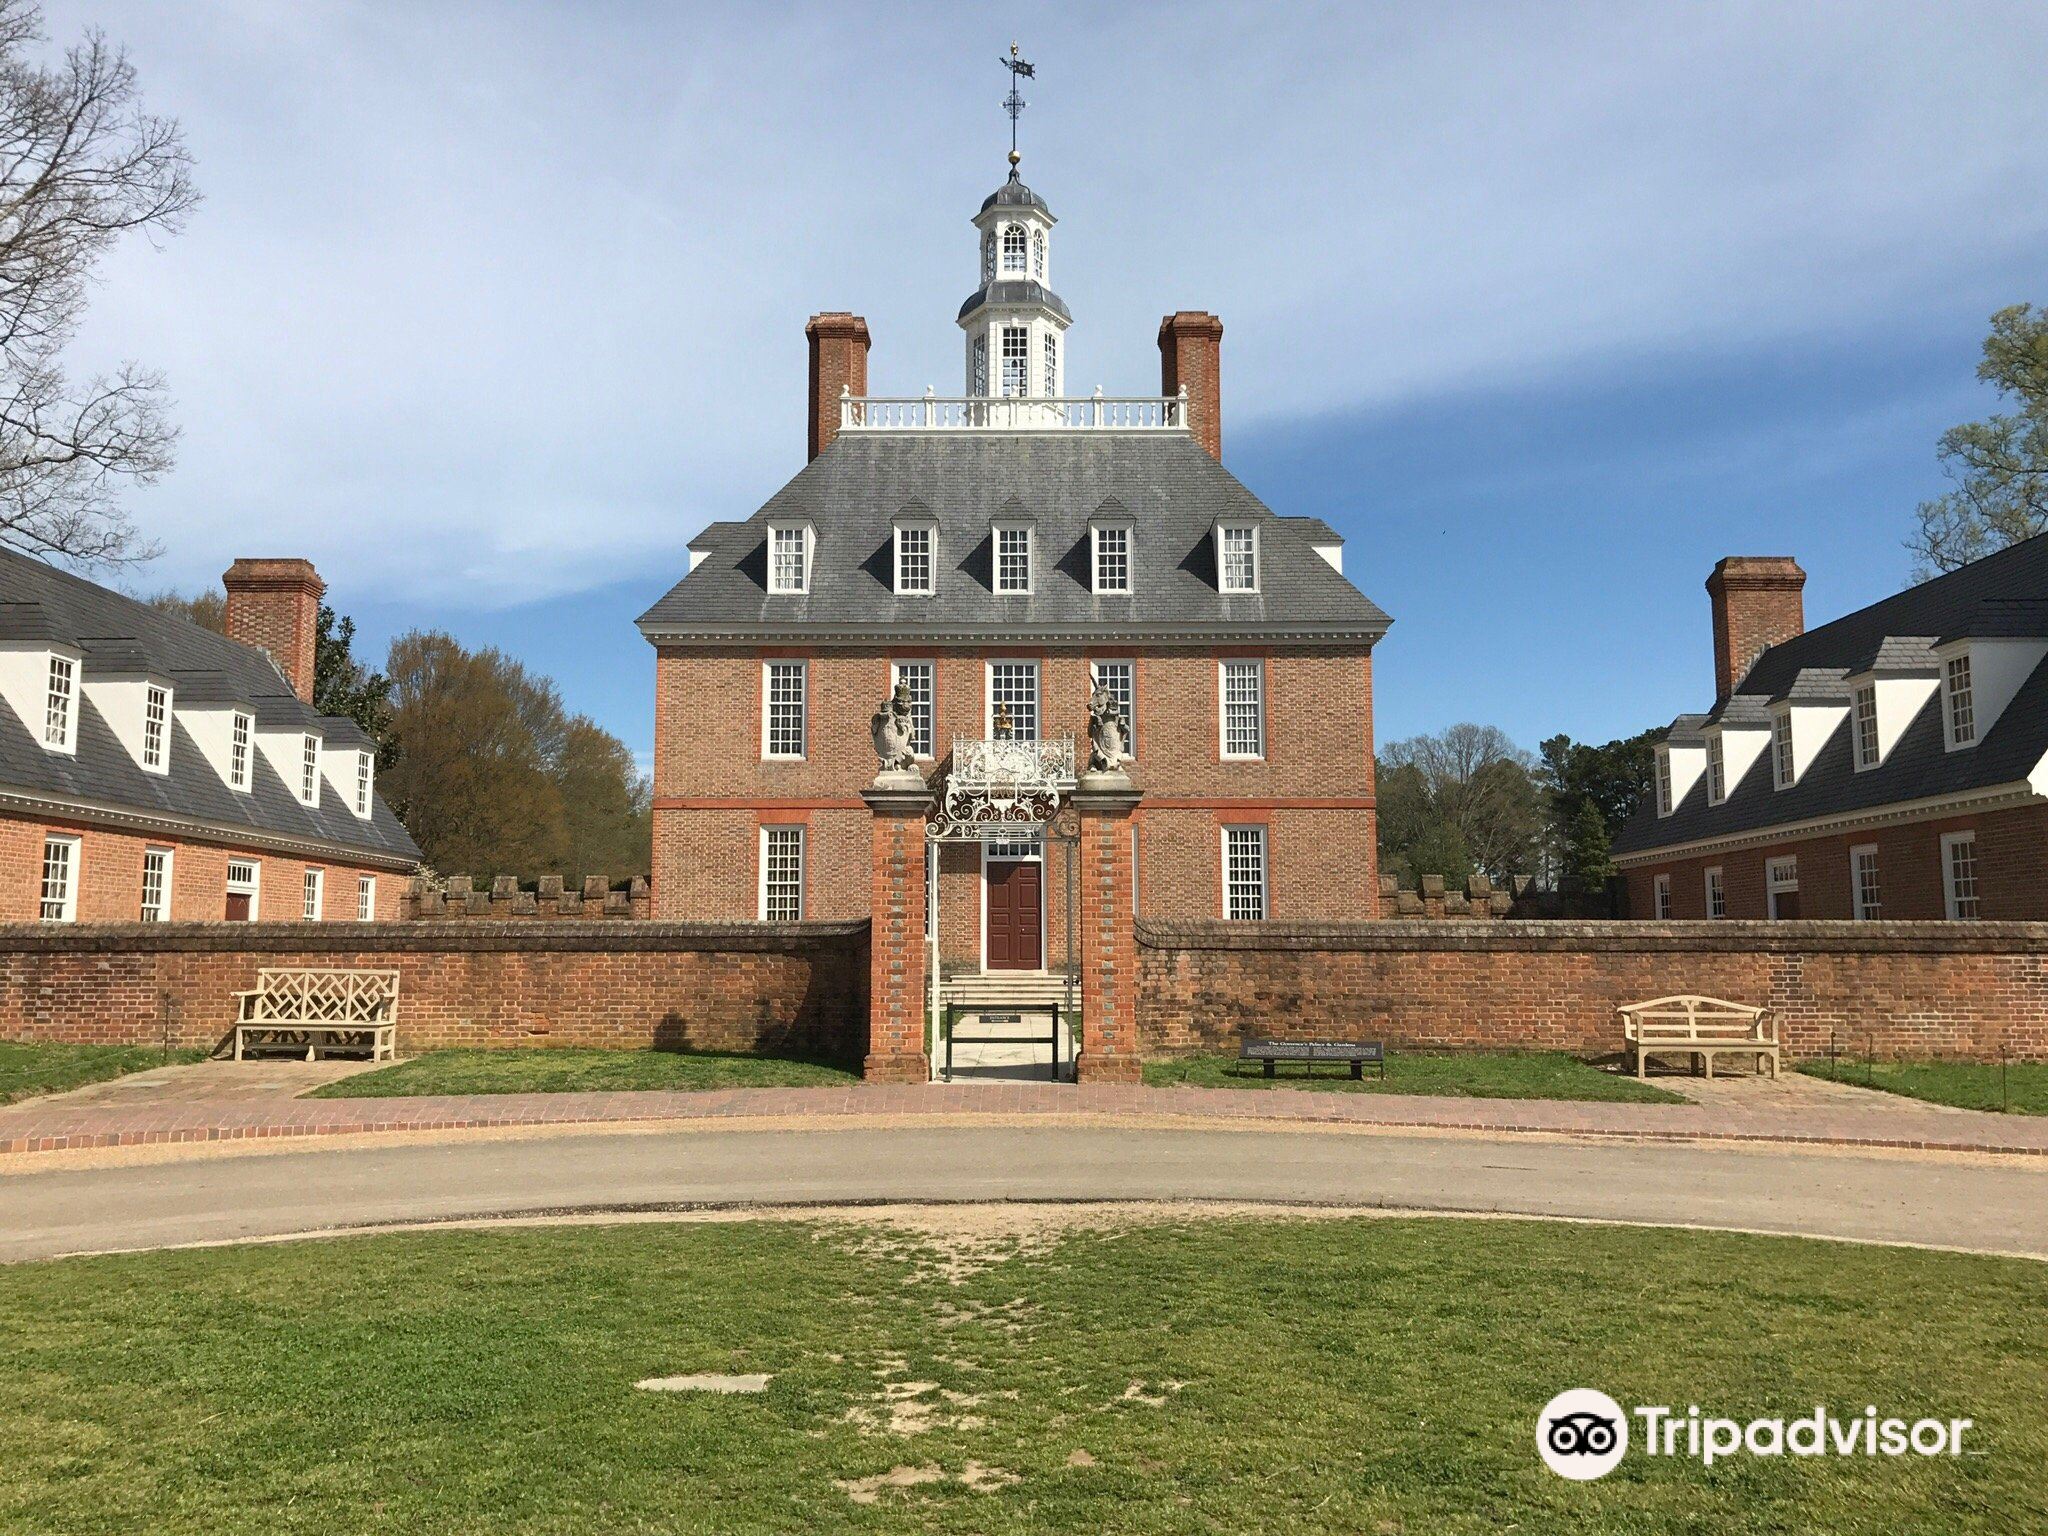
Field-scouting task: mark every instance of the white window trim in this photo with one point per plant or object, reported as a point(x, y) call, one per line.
point(170, 858)
point(163, 763)
point(1785, 755)
point(931, 666)
point(1131, 733)
point(1774, 887)
point(366, 898)
point(254, 884)
point(1258, 558)
point(245, 723)
point(1948, 703)
point(803, 666)
point(1713, 875)
point(931, 532)
point(1223, 664)
point(1265, 869)
point(988, 694)
point(1660, 898)
point(810, 540)
point(995, 551)
point(365, 797)
point(73, 674)
point(1717, 768)
point(309, 771)
point(1664, 796)
point(1857, 697)
point(1948, 878)
point(1856, 906)
point(312, 893)
point(74, 874)
point(1095, 560)
point(802, 862)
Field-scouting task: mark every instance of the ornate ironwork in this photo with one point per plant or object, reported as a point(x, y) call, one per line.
point(995, 789)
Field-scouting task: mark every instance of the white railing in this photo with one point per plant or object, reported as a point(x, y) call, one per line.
point(981, 761)
point(974, 413)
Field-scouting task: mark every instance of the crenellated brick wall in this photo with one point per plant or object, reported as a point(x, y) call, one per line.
point(458, 897)
point(1910, 989)
point(793, 987)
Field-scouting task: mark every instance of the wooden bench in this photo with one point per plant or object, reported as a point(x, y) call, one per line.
point(319, 1009)
point(1700, 1027)
point(1358, 1053)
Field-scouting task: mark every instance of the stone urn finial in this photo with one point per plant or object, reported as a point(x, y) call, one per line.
point(894, 728)
point(1109, 733)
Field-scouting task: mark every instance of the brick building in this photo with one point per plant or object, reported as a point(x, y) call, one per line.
point(1002, 553)
point(1891, 764)
point(151, 770)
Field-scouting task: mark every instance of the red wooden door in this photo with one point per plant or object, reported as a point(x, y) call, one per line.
point(238, 906)
point(1014, 895)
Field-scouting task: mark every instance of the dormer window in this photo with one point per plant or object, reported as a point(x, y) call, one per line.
point(1867, 747)
point(1782, 762)
point(789, 558)
point(309, 770)
point(1013, 248)
point(1112, 561)
point(60, 707)
point(365, 783)
point(1237, 557)
point(1663, 783)
point(1013, 559)
point(916, 559)
point(156, 725)
point(1717, 769)
point(241, 735)
point(1959, 702)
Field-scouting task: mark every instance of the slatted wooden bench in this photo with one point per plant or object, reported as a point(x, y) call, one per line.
point(1700, 1027)
point(319, 1010)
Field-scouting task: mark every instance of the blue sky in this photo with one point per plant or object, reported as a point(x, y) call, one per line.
point(491, 307)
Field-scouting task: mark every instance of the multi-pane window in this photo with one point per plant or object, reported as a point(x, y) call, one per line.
point(1717, 770)
point(1013, 700)
point(1662, 887)
point(977, 367)
point(1244, 708)
point(1781, 749)
point(366, 898)
point(309, 770)
point(244, 891)
point(789, 559)
point(1112, 560)
point(1016, 360)
point(1052, 365)
point(783, 696)
point(782, 874)
point(1238, 558)
point(60, 880)
point(156, 719)
point(917, 677)
point(1013, 559)
point(1866, 726)
point(1962, 704)
point(1038, 254)
point(316, 880)
point(1959, 874)
point(1781, 886)
point(1119, 678)
point(365, 782)
point(156, 884)
point(1864, 888)
point(1717, 894)
point(1663, 783)
point(988, 256)
point(239, 729)
point(914, 560)
point(1013, 248)
point(1244, 874)
point(58, 702)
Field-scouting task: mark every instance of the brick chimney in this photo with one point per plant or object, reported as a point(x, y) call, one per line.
point(1757, 603)
point(839, 361)
point(1191, 353)
point(275, 606)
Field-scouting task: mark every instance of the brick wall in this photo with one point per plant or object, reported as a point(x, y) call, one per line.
point(458, 896)
point(732, 987)
point(274, 605)
point(1914, 989)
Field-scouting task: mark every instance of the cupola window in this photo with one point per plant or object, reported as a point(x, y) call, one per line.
point(1013, 249)
point(1038, 254)
point(1016, 360)
point(1052, 365)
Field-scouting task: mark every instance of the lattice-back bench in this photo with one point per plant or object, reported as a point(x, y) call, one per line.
point(319, 1009)
point(1702, 1028)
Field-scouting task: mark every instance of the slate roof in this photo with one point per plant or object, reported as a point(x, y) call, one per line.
point(114, 633)
point(1013, 194)
point(1027, 291)
point(2000, 596)
point(853, 492)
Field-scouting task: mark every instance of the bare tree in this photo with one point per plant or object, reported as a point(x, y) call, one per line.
point(1462, 796)
point(81, 164)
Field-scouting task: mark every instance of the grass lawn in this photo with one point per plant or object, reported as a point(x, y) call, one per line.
point(28, 1069)
point(1354, 1375)
point(1965, 1084)
point(561, 1069)
point(1464, 1074)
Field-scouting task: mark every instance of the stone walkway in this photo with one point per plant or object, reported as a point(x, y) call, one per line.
point(224, 1102)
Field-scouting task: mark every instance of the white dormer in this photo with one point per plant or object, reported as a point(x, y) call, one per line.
point(1112, 550)
point(137, 709)
point(1732, 750)
point(351, 773)
point(1238, 555)
point(224, 731)
point(1012, 557)
point(792, 544)
point(916, 556)
point(1331, 552)
point(1882, 704)
point(1798, 731)
point(39, 679)
point(1679, 766)
point(1978, 679)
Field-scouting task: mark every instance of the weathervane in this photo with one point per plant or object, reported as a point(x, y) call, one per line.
point(1014, 102)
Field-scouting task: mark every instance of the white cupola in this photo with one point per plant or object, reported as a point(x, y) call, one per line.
point(1016, 325)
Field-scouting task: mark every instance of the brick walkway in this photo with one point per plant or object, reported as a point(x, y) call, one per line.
point(218, 1102)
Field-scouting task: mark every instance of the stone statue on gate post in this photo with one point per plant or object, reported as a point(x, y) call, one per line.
point(894, 729)
point(1109, 733)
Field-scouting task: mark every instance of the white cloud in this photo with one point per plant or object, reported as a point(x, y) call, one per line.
point(490, 303)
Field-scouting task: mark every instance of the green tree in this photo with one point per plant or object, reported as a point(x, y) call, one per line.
point(1455, 802)
point(1998, 466)
point(1588, 859)
point(1590, 793)
point(344, 686)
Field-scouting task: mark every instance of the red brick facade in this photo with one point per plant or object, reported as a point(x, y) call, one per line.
point(1758, 602)
point(1191, 358)
point(1313, 790)
point(839, 365)
point(274, 605)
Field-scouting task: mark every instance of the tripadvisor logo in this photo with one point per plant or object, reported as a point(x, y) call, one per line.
point(1582, 1434)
